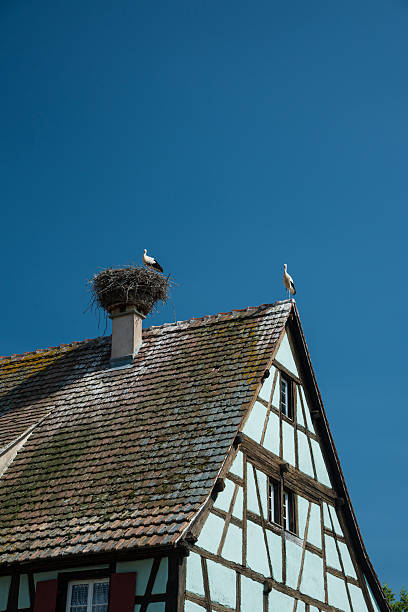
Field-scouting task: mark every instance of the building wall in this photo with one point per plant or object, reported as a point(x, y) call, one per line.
point(141, 567)
point(243, 560)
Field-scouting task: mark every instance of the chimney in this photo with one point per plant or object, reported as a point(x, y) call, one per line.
point(126, 335)
point(128, 295)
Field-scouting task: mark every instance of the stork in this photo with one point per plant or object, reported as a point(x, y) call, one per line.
point(288, 281)
point(150, 262)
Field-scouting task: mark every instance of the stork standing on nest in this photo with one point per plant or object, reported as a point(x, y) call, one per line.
point(288, 281)
point(150, 262)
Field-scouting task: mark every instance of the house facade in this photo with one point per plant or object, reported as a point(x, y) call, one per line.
point(200, 476)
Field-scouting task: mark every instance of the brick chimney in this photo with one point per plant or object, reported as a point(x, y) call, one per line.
point(126, 335)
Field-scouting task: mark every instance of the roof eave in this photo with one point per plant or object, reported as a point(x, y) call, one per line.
point(92, 558)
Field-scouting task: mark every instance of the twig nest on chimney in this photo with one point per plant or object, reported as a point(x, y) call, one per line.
point(136, 286)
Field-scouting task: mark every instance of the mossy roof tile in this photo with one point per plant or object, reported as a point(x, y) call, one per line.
point(125, 458)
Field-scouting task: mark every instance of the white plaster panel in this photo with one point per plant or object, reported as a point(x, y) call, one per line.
point(123, 567)
point(237, 465)
point(157, 606)
point(232, 549)
point(313, 609)
point(239, 500)
point(373, 601)
point(276, 395)
point(251, 595)
point(309, 423)
point(301, 607)
point(263, 492)
point(279, 602)
point(266, 389)
point(314, 534)
point(254, 426)
point(189, 606)
point(299, 411)
point(4, 591)
point(211, 533)
point(24, 592)
point(142, 568)
point(293, 559)
point(312, 578)
point(357, 598)
point(161, 579)
point(337, 594)
point(335, 520)
point(321, 470)
point(288, 436)
point(303, 506)
point(347, 562)
point(285, 356)
point(223, 500)
point(222, 583)
point(275, 552)
point(332, 557)
point(271, 441)
point(256, 552)
point(326, 516)
point(194, 574)
point(305, 460)
point(252, 500)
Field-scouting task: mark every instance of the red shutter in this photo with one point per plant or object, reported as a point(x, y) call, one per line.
point(122, 592)
point(46, 596)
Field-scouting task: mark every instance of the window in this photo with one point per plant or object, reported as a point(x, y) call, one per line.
point(281, 506)
point(288, 514)
point(286, 396)
point(88, 596)
point(274, 511)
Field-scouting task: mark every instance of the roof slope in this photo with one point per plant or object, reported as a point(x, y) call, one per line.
point(125, 458)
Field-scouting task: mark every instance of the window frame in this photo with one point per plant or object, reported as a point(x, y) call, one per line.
point(274, 495)
point(278, 494)
point(289, 521)
point(88, 581)
point(290, 404)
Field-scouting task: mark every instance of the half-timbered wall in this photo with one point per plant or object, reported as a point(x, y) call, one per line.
point(18, 592)
point(244, 560)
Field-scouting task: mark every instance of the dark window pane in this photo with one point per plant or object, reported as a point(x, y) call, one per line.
point(79, 595)
point(100, 593)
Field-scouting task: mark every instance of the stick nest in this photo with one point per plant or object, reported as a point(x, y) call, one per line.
point(134, 286)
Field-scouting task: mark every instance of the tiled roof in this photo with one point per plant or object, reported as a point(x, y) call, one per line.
point(125, 458)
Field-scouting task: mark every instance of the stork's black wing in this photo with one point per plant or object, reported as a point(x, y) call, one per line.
point(157, 266)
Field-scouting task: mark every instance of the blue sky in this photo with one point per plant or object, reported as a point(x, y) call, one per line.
point(227, 138)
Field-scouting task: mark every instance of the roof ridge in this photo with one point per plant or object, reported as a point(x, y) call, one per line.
point(249, 310)
point(153, 329)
